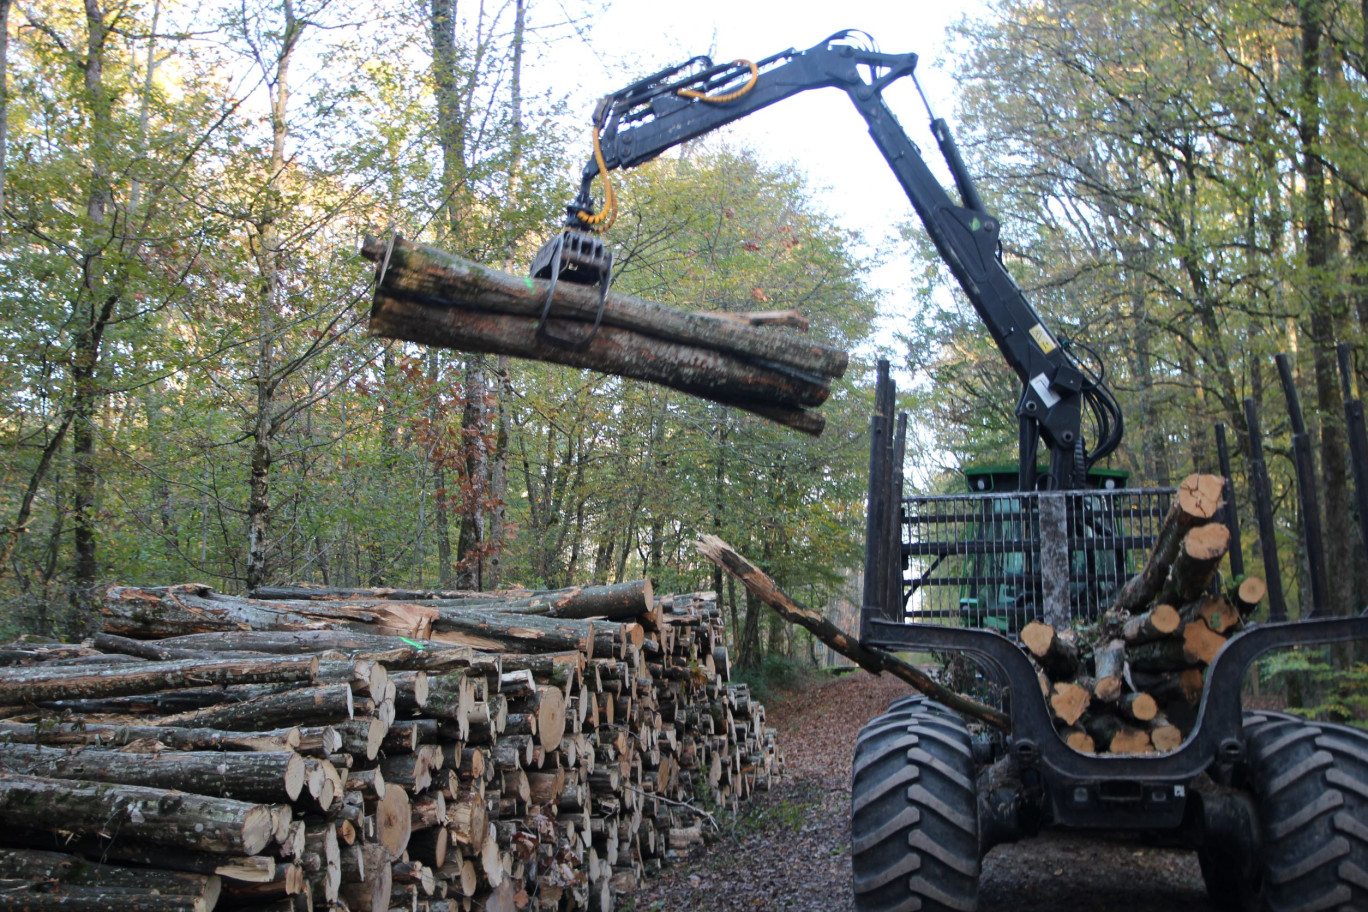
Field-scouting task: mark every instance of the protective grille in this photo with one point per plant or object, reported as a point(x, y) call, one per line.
point(984, 560)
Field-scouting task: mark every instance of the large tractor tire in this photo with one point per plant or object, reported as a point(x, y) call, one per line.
point(1310, 785)
point(914, 812)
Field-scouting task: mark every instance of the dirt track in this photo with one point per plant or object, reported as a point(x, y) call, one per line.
point(791, 848)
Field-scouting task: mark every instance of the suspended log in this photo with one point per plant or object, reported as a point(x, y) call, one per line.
point(1218, 614)
point(781, 396)
point(424, 273)
point(1168, 687)
point(872, 660)
point(1068, 701)
point(1246, 593)
point(153, 815)
point(1109, 661)
point(1078, 739)
point(61, 881)
point(1111, 734)
point(1201, 643)
point(1160, 621)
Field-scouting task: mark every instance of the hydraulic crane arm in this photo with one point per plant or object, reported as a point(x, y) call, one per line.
point(652, 115)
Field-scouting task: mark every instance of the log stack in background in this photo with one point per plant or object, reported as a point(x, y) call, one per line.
point(369, 750)
point(1131, 682)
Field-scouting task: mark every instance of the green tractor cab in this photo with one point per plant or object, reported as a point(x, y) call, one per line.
point(1002, 591)
point(976, 559)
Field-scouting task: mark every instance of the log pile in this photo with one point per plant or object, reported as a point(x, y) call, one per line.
point(369, 750)
point(427, 296)
point(1131, 683)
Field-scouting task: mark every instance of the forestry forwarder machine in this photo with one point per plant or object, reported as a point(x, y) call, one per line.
point(1276, 806)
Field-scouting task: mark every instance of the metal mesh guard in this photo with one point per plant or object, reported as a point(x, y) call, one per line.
point(976, 560)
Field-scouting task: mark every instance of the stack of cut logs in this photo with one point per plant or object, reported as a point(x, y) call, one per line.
point(1131, 683)
point(369, 750)
point(425, 295)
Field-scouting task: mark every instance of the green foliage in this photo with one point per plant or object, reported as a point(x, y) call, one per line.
point(1315, 687)
point(778, 675)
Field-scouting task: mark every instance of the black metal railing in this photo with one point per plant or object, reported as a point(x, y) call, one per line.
point(980, 560)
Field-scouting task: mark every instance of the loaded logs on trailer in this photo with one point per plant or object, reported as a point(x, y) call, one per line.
point(369, 749)
point(1131, 682)
point(1128, 683)
point(431, 297)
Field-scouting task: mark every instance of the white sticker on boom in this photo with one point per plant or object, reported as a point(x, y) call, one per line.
point(1041, 384)
point(1043, 338)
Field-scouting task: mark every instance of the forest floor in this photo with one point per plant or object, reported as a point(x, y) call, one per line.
point(789, 849)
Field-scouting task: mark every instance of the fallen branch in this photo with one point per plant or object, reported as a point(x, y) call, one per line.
point(869, 658)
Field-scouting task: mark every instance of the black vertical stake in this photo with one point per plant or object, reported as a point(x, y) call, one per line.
point(1232, 513)
point(896, 599)
point(1262, 492)
point(1306, 492)
point(876, 518)
point(1358, 440)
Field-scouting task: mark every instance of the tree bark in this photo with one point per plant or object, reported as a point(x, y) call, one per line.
point(1324, 300)
point(4, 109)
point(268, 243)
point(183, 610)
point(59, 881)
point(307, 706)
point(39, 684)
point(170, 737)
point(423, 273)
point(782, 397)
point(95, 305)
point(868, 658)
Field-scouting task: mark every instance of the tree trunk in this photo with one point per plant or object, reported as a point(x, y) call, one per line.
point(321, 705)
point(96, 300)
point(267, 247)
point(165, 817)
point(61, 881)
point(36, 684)
point(1323, 304)
point(1198, 500)
point(4, 109)
point(781, 396)
point(470, 542)
point(245, 776)
point(421, 273)
point(179, 739)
